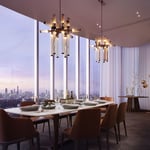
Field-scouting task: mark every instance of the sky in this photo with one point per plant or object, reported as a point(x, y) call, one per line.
point(17, 54)
point(17, 50)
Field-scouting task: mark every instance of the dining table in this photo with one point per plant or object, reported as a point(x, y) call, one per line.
point(133, 102)
point(57, 111)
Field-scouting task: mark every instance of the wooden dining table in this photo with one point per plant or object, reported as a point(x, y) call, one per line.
point(133, 102)
point(54, 113)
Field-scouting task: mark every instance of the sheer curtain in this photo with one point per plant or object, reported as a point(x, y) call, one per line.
point(144, 73)
point(110, 76)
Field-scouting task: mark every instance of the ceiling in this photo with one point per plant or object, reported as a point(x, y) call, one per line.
point(120, 22)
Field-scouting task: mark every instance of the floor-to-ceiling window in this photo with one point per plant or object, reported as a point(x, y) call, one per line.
point(71, 68)
point(44, 63)
point(94, 73)
point(16, 59)
point(59, 73)
point(82, 68)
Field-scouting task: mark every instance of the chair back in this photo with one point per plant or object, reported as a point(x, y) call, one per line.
point(109, 119)
point(107, 98)
point(27, 103)
point(4, 124)
point(86, 124)
point(12, 129)
point(121, 112)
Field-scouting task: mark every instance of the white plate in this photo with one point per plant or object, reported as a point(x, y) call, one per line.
point(100, 101)
point(90, 103)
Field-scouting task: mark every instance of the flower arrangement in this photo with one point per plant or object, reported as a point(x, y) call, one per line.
point(144, 83)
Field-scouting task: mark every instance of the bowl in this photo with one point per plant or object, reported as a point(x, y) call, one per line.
point(70, 106)
point(48, 107)
point(90, 103)
point(30, 108)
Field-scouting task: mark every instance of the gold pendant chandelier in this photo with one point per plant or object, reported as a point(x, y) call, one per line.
point(102, 44)
point(60, 29)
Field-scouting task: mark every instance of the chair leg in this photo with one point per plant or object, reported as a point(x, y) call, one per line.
point(67, 118)
point(18, 145)
point(118, 127)
point(38, 142)
point(49, 130)
point(99, 142)
point(70, 120)
point(124, 123)
point(86, 144)
point(62, 141)
point(76, 144)
point(43, 126)
point(4, 146)
point(116, 134)
point(107, 139)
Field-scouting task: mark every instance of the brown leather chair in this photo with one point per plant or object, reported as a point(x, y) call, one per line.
point(16, 130)
point(67, 116)
point(109, 121)
point(106, 98)
point(85, 126)
point(37, 120)
point(121, 117)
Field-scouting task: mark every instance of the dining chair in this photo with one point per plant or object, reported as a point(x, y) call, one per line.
point(38, 120)
point(16, 130)
point(109, 121)
point(85, 126)
point(106, 98)
point(67, 116)
point(121, 115)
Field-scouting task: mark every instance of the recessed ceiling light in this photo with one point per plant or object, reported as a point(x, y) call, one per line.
point(138, 14)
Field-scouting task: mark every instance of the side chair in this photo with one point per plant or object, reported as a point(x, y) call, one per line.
point(121, 115)
point(37, 120)
point(85, 126)
point(109, 121)
point(106, 98)
point(16, 130)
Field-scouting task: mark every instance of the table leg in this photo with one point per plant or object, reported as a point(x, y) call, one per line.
point(136, 104)
point(56, 131)
point(129, 106)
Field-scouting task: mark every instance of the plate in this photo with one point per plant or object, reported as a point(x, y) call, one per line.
point(90, 103)
point(70, 106)
point(48, 107)
point(30, 108)
point(100, 101)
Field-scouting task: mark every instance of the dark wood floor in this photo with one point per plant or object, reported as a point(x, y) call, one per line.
point(138, 127)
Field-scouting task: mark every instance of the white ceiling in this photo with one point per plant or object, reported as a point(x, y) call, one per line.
point(121, 24)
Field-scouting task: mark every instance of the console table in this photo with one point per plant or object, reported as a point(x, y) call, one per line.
point(133, 102)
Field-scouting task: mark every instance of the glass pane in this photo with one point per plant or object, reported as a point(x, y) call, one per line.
point(82, 67)
point(44, 63)
point(16, 59)
point(59, 72)
point(71, 68)
point(94, 74)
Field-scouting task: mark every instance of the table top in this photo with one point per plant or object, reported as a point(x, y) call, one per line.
point(57, 110)
point(132, 96)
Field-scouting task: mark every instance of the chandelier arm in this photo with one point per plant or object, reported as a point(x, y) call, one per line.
point(101, 18)
point(60, 10)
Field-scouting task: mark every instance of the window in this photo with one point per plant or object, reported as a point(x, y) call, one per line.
point(94, 73)
point(16, 59)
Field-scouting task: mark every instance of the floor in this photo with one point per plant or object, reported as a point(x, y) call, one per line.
point(138, 127)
